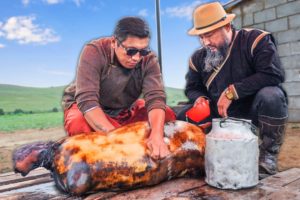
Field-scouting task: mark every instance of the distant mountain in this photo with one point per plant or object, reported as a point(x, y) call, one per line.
point(34, 99)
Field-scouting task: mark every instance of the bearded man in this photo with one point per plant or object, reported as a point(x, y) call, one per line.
point(238, 72)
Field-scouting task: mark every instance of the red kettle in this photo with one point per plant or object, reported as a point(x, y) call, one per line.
point(199, 112)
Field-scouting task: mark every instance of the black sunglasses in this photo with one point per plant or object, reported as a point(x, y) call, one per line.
point(130, 51)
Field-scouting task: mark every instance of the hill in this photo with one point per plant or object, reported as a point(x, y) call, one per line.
point(14, 97)
point(174, 95)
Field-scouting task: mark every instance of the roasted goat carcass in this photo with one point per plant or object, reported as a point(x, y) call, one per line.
point(116, 160)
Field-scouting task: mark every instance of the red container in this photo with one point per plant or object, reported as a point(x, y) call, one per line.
point(199, 112)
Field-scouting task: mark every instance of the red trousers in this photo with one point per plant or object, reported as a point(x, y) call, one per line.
point(75, 122)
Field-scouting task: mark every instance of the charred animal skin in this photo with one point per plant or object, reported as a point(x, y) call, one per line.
point(118, 160)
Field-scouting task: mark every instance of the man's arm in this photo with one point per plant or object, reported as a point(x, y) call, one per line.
point(97, 120)
point(155, 99)
point(267, 66)
point(194, 86)
point(88, 85)
point(155, 142)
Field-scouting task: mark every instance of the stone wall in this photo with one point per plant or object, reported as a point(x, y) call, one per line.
point(282, 19)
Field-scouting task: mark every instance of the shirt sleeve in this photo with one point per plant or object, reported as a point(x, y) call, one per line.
point(88, 78)
point(153, 88)
point(194, 84)
point(267, 67)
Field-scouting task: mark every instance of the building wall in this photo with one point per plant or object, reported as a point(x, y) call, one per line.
point(282, 19)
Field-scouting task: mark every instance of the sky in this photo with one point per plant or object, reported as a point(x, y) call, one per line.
point(41, 40)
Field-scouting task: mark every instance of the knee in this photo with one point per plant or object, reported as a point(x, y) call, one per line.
point(272, 96)
point(271, 101)
point(75, 123)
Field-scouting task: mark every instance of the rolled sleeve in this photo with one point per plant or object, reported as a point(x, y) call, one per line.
point(88, 78)
point(153, 89)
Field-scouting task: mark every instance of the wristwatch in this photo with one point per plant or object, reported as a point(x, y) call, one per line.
point(229, 94)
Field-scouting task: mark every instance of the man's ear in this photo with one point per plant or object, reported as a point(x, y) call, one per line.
point(113, 42)
point(228, 27)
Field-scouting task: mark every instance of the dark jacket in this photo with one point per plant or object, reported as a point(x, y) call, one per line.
point(102, 81)
point(253, 63)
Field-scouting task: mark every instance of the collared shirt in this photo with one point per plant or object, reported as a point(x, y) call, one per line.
point(101, 81)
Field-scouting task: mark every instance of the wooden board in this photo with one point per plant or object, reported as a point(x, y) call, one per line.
point(39, 185)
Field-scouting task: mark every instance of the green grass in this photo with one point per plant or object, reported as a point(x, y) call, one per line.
point(10, 123)
point(29, 98)
point(42, 100)
point(174, 96)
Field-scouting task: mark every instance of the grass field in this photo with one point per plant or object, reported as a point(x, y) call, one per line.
point(174, 96)
point(10, 123)
point(29, 99)
point(40, 101)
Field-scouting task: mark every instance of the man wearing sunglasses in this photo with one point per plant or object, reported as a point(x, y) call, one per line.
point(112, 73)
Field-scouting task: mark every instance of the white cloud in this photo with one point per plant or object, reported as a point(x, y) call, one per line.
point(143, 13)
point(22, 29)
point(53, 1)
point(1, 33)
point(57, 72)
point(25, 2)
point(185, 11)
point(78, 2)
point(2, 46)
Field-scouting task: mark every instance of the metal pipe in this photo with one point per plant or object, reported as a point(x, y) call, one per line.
point(158, 33)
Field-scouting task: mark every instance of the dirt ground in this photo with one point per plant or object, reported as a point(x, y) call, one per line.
point(289, 156)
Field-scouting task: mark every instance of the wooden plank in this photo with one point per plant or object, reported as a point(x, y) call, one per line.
point(100, 195)
point(284, 185)
point(39, 191)
point(27, 196)
point(208, 192)
point(12, 181)
point(37, 170)
point(284, 194)
point(11, 177)
point(287, 185)
point(280, 186)
point(281, 179)
point(26, 183)
point(37, 196)
point(161, 191)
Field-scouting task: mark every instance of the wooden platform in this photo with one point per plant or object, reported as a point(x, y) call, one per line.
point(39, 185)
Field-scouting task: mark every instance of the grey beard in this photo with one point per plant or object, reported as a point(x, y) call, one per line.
point(214, 59)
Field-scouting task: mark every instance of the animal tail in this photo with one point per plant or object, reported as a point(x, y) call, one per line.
point(34, 155)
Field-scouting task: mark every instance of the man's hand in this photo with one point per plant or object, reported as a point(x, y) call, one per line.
point(97, 120)
point(223, 104)
point(157, 147)
point(155, 142)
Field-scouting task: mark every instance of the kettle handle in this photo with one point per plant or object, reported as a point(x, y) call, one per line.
point(253, 128)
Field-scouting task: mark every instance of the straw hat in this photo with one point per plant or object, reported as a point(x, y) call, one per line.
point(209, 17)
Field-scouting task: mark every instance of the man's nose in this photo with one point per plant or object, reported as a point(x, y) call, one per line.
point(136, 56)
point(205, 41)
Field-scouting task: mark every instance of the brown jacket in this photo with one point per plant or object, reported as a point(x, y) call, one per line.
point(102, 81)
